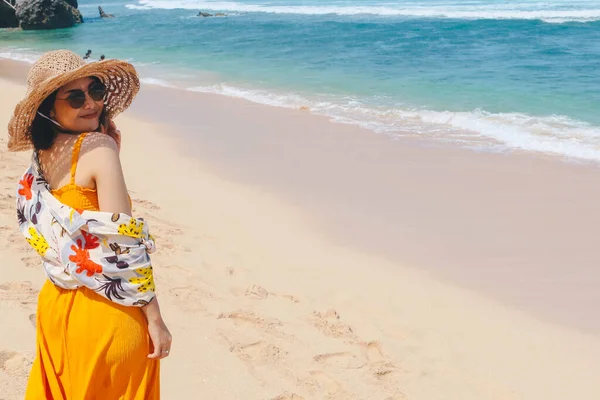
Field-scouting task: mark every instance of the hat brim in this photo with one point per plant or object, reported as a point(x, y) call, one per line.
point(122, 84)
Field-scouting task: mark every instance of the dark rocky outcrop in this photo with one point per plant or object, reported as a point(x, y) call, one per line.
point(103, 14)
point(8, 17)
point(47, 14)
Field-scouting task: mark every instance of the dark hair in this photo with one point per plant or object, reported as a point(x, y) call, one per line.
point(102, 119)
point(43, 131)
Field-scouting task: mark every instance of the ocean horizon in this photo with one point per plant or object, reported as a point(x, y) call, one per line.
point(482, 74)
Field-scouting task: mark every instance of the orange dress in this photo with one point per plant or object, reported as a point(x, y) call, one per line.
point(89, 348)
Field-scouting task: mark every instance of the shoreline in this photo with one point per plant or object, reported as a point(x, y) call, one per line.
point(506, 226)
point(289, 301)
point(522, 216)
point(510, 129)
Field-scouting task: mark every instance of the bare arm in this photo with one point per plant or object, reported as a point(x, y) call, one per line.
point(113, 197)
point(102, 156)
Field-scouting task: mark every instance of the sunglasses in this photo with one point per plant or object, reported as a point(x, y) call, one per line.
point(76, 98)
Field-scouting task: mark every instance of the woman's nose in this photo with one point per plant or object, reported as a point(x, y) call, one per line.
point(89, 102)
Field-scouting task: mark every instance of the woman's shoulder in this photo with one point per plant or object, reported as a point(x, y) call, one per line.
point(98, 152)
point(94, 141)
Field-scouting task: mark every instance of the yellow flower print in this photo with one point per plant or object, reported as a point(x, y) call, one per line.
point(146, 281)
point(37, 241)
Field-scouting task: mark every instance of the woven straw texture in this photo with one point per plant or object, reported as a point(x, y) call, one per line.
point(57, 68)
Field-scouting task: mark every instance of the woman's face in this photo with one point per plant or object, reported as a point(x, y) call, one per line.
point(83, 119)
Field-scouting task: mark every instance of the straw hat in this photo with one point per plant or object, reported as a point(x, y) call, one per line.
point(57, 68)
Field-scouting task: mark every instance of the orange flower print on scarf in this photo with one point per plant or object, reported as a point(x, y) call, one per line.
point(82, 255)
point(26, 183)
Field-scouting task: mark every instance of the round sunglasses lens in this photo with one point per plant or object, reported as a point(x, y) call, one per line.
point(97, 92)
point(76, 99)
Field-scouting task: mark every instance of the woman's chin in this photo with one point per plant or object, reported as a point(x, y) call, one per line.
point(87, 126)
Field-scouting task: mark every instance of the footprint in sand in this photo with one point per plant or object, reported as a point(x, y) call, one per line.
point(22, 292)
point(257, 292)
point(369, 364)
point(330, 324)
point(32, 261)
point(16, 241)
point(33, 320)
point(260, 293)
point(289, 297)
point(288, 396)
point(259, 352)
point(344, 360)
point(146, 204)
point(373, 351)
point(379, 364)
point(5, 356)
point(10, 232)
point(265, 326)
point(319, 381)
point(7, 198)
point(14, 364)
point(250, 318)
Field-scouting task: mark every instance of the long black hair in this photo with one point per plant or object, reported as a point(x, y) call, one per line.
point(42, 131)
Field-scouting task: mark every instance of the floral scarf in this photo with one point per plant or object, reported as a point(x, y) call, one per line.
point(108, 253)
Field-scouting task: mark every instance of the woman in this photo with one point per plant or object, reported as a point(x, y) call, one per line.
point(93, 341)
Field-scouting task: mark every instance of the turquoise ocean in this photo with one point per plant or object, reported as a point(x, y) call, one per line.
point(488, 74)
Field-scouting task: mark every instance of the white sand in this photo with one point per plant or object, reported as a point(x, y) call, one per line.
point(263, 305)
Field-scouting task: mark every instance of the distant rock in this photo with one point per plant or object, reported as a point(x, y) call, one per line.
point(205, 14)
point(8, 17)
point(47, 14)
point(103, 14)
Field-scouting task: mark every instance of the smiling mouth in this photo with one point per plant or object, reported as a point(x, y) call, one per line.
point(90, 116)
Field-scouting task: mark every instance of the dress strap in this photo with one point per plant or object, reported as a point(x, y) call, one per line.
point(75, 159)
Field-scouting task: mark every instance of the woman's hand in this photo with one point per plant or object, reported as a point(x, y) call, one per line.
point(161, 339)
point(158, 331)
point(112, 131)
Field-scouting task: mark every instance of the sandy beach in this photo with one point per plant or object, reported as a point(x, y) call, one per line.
point(323, 261)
